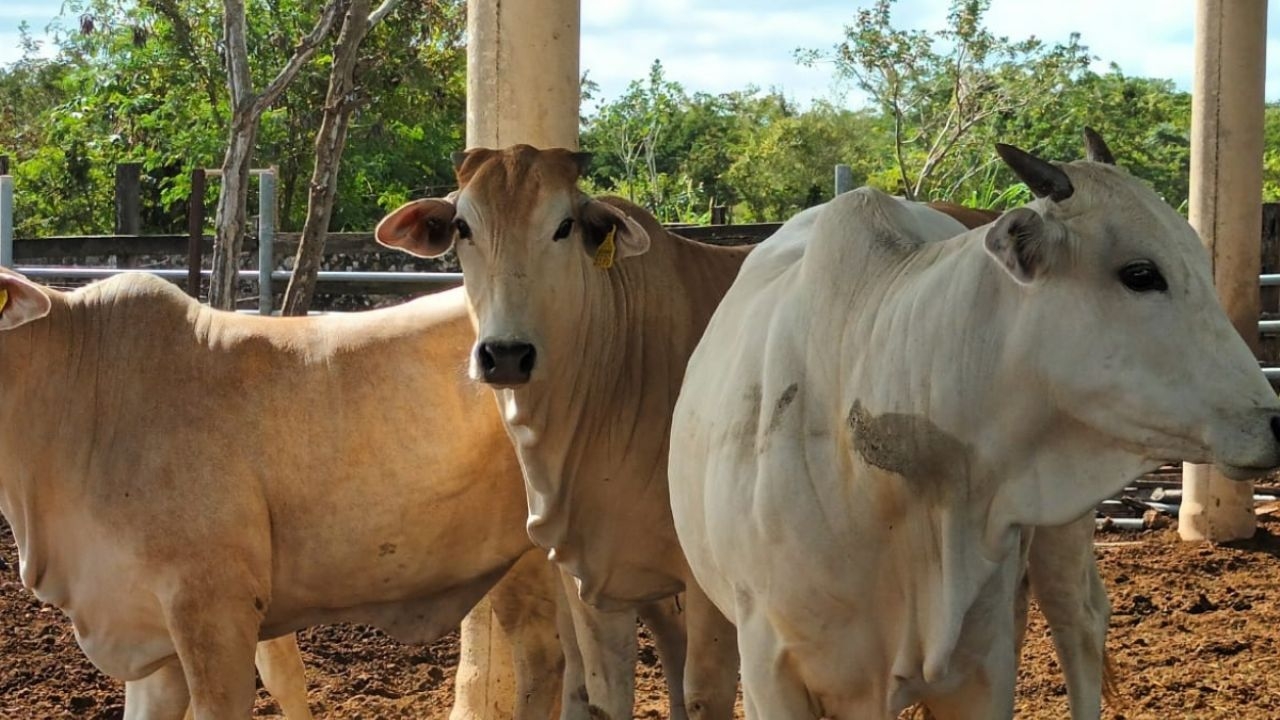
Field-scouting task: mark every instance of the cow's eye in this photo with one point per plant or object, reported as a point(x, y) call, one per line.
point(562, 231)
point(464, 230)
point(1143, 276)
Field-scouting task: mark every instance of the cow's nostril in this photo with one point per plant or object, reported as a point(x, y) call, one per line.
point(485, 355)
point(530, 356)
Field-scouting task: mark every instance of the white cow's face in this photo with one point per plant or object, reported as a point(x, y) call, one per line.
point(531, 244)
point(1119, 318)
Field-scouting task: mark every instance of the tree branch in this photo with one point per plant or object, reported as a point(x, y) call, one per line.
point(307, 47)
point(386, 8)
point(239, 81)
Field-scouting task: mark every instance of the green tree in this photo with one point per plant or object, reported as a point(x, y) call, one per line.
point(941, 93)
point(142, 82)
point(1146, 122)
point(787, 164)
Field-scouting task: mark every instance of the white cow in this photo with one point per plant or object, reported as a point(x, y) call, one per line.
point(182, 482)
point(870, 422)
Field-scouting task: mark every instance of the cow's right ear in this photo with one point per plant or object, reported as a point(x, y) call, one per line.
point(422, 227)
point(21, 301)
point(1024, 243)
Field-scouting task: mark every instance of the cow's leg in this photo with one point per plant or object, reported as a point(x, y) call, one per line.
point(525, 606)
point(607, 641)
point(162, 695)
point(989, 659)
point(216, 635)
point(573, 693)
point(667, 623)
point(283, 675)
point(1066, 584)
point(988, 692)
point(711, 671)
point(484, 684)
point(771, 688)
point(1022, 598)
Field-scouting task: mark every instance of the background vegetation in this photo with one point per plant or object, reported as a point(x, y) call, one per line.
point(144, 81)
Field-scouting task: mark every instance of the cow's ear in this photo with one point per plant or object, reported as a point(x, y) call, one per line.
point(422, 227)
point(21, 301)
point(1024, 243)
point(610, 235)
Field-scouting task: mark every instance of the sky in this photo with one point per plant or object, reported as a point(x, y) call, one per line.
point(722, 45)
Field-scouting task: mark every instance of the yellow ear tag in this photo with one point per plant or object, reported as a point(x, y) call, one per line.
point(4, 299)
point(604, 253)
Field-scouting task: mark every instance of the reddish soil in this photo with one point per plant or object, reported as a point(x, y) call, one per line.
point(1195, 633)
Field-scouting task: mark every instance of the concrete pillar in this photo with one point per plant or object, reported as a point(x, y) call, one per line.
point(523, 86)
point(523, 82)
point(1226, 209)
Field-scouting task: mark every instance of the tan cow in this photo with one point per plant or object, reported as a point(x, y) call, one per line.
point(585, 346)
point(182, 482)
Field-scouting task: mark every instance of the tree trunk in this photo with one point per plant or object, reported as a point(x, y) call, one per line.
point(330, 141)
point(246, 111)
point(230, 222)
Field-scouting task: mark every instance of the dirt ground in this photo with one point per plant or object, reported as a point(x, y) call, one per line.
point(1195, 633)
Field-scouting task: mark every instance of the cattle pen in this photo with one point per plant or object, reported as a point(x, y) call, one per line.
point(78, 258)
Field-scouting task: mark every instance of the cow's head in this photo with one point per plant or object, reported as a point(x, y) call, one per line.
point(1118, 317)
point(530, 244)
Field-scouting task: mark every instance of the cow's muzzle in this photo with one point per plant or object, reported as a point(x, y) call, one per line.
point(505, 363)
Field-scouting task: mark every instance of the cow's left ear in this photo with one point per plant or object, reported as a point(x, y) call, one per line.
point(422, 227)
point(21, 301)
point(609, 234)
point(1024, 243)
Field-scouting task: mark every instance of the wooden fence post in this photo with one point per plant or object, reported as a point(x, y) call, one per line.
point(1269, 344)
point(128, 206)
point(195, 231)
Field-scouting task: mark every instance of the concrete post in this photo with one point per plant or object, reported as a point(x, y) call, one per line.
point(523, 86)
point(844, 179)
point(266, 238)
point(1226, 201)
point(523, 82)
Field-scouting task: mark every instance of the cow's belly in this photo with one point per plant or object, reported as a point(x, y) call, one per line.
point(396, 545)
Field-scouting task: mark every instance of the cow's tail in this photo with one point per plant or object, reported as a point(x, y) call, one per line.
point(916, 712)
point(1111, 682)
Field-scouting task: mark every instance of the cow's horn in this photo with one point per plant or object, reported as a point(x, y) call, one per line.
point(1044, 178)
point(1095, 148)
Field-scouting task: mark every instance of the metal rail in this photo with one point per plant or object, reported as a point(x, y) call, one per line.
point(406, 278)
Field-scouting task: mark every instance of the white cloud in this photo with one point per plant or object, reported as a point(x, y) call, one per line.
point(722, 45)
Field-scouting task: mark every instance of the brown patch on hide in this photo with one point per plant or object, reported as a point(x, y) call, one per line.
point(784, 401)
point(908, 445)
